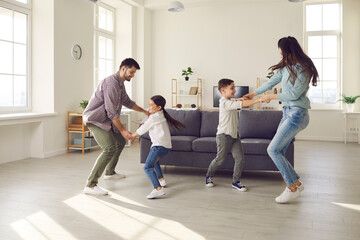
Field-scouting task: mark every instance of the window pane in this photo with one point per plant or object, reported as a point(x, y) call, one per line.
point(329, 91)
point(101, 70)
point(313, 17)
point(329, 47)
point(109, 67)
point(20, 27)
point(109, 21)
point(22, 1)
point(318, 65)
point(330, 69)
point(6, 23)
point(314, 94)
point(20, 59)
point(315, 46)
point(109, 48)
point(20, 91)
point(331, 16)
point(102, 18)
point(6, 90)
point(6, 57)
point(102, 47)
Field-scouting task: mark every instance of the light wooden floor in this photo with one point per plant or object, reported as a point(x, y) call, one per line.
point(42, 199)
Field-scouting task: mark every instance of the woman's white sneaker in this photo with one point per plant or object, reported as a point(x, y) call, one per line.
point(95, 191)
point(301, 186)
point(156, 193)
point(287, 195)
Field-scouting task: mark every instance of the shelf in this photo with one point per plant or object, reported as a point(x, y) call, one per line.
point(184, 98)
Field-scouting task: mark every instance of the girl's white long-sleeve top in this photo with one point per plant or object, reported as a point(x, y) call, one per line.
point(158, 129)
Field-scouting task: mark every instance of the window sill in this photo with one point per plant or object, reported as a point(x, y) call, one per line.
point(18, 118)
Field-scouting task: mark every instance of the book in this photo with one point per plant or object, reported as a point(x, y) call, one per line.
point(193, 90)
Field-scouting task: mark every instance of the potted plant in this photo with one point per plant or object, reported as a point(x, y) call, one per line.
point(350, 106)
point(186, 73)
point(83, 104)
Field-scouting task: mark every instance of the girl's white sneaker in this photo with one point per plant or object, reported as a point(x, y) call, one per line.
point(162, 183)
point(287, 195)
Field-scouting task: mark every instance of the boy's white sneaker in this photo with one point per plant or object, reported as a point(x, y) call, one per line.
point(156, 193)
point(95, 191)
point(287, 195)
point(114, 176)
point(162, 183)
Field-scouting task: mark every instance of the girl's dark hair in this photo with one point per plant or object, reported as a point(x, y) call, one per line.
point(293, 54)
point(160, 101)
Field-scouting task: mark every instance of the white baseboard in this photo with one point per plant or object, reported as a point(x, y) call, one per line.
point(338, 139)
point(54, 153)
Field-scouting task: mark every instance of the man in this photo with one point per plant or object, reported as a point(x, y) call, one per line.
point(102, 117)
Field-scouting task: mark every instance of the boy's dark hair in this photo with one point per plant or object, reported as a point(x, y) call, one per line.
point(129, 63)
point(224, 83)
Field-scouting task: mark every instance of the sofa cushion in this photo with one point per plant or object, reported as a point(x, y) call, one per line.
point(182, 143)
point(255, 146)
point(209, 123)
point(190, 118)
point(204, 144)
point(258, 124)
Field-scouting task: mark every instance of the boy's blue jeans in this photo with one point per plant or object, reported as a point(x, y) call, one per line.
point(293, 121)
point(152, 165)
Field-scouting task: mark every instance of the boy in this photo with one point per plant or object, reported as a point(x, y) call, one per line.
point(227, 136)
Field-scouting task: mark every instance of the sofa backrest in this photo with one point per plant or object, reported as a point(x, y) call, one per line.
point(209, 123)
point(259, 124)
point(190, 118)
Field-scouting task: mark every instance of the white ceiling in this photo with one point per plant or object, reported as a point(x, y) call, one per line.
point(163, 4)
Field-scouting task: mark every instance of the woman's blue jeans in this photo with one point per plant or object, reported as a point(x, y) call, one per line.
point(293, 121)
point(152, 165)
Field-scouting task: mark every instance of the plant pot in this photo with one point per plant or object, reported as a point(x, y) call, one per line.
point(186, 78)
point(350, 107)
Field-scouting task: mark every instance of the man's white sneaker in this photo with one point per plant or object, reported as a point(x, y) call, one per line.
point(162, 183)
point(301, 187)
point(287, 195)
point(95, 191)
point(156, 193)
point(114, 176)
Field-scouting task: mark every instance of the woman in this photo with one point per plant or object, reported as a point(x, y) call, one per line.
point(295, 71)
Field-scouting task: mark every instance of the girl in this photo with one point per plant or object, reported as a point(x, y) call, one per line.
point(295, 71)
point(157, 125)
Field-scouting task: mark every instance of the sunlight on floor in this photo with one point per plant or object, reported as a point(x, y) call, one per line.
point(127, 223)
point(40, 226)
point(347, 205)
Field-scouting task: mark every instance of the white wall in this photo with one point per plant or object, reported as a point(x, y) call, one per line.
point(239, 41)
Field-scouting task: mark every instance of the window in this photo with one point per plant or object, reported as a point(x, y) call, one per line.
point(323, 45)
point(105, 42)
point(15, 58)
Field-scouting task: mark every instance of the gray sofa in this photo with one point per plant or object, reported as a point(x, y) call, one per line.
point(195, 146)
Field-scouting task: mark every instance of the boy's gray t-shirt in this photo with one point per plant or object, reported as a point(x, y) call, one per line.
point(228, 117)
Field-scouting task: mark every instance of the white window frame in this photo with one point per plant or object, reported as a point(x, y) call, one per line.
point(338, 34)
point(103, 33)
point(25, 9)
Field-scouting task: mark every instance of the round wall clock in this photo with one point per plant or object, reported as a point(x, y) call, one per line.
point(76, 52)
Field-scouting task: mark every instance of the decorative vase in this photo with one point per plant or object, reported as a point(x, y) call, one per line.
point(350, 107)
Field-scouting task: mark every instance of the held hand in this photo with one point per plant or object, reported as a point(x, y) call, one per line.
point(133, 139)
point(126, 134)
point(239, 99)
point(265, 98)
point(248, 96)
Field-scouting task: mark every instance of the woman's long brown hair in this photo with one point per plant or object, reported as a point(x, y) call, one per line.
point(160, 101)
point(293, 54)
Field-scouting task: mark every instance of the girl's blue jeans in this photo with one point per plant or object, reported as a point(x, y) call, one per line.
point(293, 121)
point(152, 166)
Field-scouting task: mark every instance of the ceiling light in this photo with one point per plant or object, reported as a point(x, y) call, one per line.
point(176, 6)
